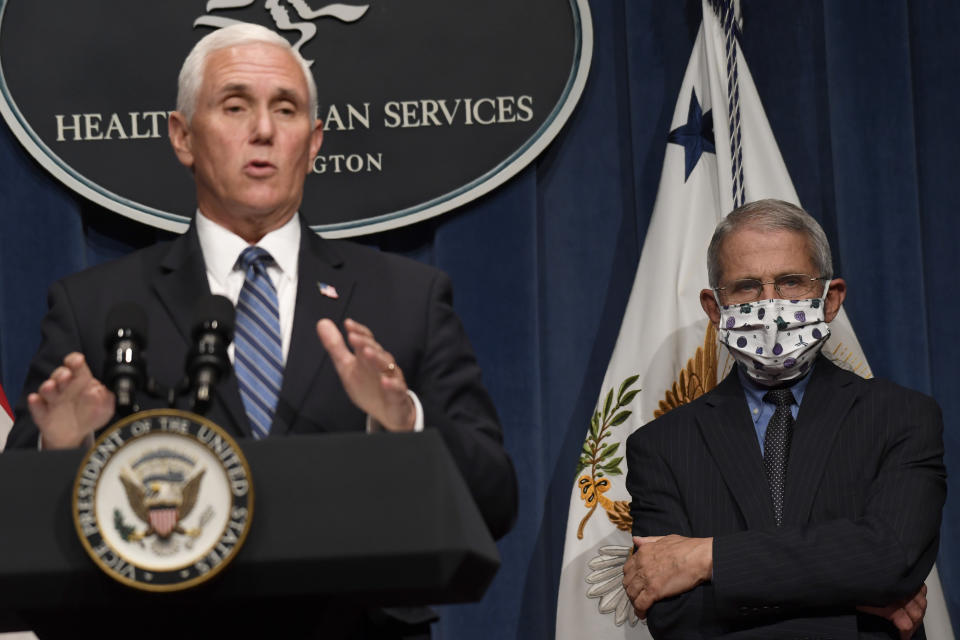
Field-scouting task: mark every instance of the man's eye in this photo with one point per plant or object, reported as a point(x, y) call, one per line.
point(790, 281)
point(745, 285)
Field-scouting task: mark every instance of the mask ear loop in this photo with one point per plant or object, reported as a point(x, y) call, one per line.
point(720, 307)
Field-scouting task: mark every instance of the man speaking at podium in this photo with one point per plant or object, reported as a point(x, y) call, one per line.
point(245, 126)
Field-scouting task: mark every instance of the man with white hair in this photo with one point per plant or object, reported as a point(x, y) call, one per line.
point(795, 499)
point(246, 127)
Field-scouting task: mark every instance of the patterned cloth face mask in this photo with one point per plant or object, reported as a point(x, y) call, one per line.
point(775, 340)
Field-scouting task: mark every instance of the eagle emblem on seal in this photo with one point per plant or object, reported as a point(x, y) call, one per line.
point(162, 487)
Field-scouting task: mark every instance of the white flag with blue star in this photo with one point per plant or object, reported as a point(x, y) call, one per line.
point(720, 153)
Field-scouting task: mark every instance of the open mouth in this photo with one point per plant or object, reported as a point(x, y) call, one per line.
point(259, 168)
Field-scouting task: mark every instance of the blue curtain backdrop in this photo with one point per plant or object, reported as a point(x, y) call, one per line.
point(861, 97)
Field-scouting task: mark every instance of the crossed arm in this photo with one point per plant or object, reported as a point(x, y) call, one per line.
point(666, 566)
point(873, 561)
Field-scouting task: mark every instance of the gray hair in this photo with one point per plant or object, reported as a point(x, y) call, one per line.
point(191, 73)
point(771, 215)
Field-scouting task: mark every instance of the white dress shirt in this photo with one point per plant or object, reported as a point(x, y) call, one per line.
point(221, 249)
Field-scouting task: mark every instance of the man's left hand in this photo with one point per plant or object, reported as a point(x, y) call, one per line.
point(906, 615)
point(664, 566)
point(369, 374)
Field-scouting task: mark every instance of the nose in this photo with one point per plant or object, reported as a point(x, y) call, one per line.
point(262, 126)
point(769, 291)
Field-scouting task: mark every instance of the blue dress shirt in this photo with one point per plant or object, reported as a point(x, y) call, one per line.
point(761, 411)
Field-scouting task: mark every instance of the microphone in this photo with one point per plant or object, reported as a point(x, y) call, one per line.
point(207, 360)
point(125, 342)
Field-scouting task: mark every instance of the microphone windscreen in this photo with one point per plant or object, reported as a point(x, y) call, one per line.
point(214, 313)
point(126, 317)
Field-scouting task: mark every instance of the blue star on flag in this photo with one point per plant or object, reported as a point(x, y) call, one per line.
point(696, 136)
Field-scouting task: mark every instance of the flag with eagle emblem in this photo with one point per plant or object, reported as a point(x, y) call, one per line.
point(720, 153)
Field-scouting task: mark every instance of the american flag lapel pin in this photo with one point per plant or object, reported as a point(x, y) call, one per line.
point(328, 290)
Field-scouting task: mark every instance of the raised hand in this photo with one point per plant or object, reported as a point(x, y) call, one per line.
point(369, 374)
point(70, 405)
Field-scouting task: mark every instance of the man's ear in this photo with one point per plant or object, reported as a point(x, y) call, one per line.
point(180, 138)
point(835, 297)
point(316, 140)
point(709, 303)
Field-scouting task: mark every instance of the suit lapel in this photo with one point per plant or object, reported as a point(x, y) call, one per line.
point(826, 402)
point(729, 432)
point(319, 264)
point(179, 283)
point(181, 280)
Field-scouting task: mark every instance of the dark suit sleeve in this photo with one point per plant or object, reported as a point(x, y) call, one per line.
point(871, 537)
point(882, 554)
point(449, 386)
point(657, 508)
point(59, 336)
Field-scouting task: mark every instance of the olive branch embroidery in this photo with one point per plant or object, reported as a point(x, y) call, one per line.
point(121, 526)
point(601, 458)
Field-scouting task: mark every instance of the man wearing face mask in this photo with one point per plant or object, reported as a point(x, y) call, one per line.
point(795, 499)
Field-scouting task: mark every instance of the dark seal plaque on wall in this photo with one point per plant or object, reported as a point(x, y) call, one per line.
point(426, 104)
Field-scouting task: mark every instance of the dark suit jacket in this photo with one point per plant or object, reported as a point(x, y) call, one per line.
point(864, 490)
point(408, 306)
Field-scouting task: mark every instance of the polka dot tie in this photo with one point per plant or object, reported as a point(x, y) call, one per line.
point(776, 446)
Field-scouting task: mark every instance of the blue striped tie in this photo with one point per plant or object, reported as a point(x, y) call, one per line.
point(258, 353)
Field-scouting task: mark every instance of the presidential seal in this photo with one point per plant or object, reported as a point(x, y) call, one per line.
point(163, 501)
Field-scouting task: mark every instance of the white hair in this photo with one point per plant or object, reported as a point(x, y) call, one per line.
point(771, 215)
point(191, 73)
